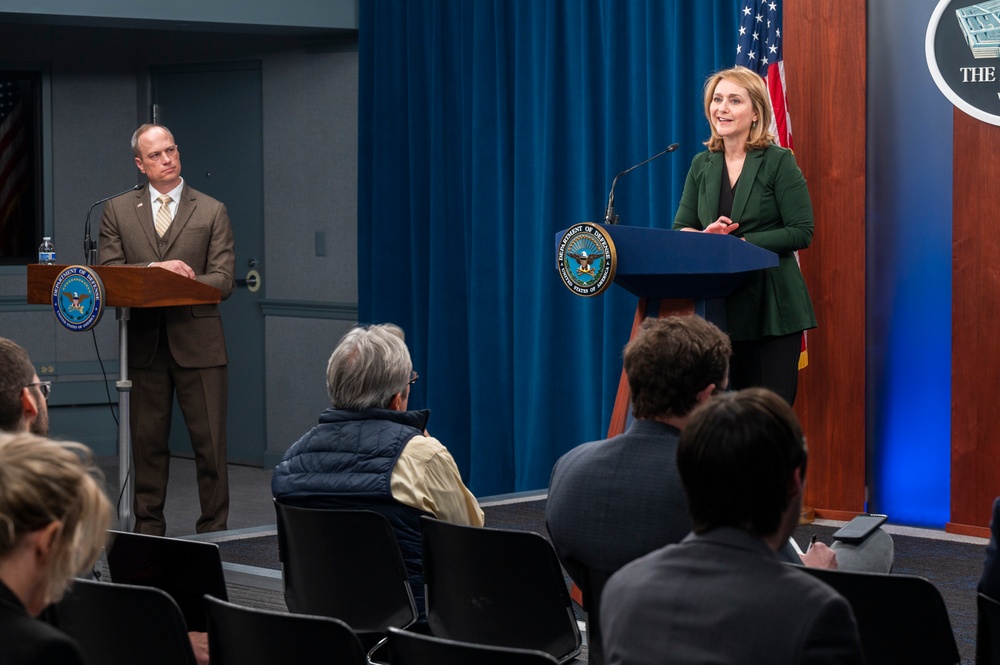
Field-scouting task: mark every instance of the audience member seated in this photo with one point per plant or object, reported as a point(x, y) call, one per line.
point(53, 522)
point(612, 501)
point(989, 583)
point(369, 452)
point(721, 595)
point(23, 406)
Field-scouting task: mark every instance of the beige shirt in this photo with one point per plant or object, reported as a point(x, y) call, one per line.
point(426, 477)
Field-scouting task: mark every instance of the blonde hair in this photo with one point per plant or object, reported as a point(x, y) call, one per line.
point(760, 132)
point(41, 482)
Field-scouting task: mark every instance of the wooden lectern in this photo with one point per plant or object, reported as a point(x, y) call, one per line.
point(126, 287)
point(677, 272)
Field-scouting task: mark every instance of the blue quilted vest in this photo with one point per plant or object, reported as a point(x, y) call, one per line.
point(346, 462)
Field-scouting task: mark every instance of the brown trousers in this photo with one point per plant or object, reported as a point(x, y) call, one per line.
point(202, 396)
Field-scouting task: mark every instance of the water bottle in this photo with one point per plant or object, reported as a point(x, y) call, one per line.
point(47, 252)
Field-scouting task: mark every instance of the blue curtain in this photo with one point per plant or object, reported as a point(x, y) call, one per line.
point(485, 127)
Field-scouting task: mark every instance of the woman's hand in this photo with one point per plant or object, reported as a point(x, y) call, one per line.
point(723, 225)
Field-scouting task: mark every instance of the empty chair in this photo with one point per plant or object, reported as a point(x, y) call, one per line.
point(121, 624)
point(246, 636)
point(988, 631)
point(497, 587)
point(185, 569)
point(901, 618)
point(344, 564)
point(408, 648)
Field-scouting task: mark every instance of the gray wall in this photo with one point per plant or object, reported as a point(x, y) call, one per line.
point(99, 94)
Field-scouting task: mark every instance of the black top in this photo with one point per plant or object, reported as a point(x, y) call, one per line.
point(726, 193)
point(28, 641)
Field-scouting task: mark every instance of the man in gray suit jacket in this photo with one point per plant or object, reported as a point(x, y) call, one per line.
point(174, 349)
point(612, 501)
point(721, 595)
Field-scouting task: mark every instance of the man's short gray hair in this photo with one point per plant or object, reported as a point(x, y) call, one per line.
point(369, 366)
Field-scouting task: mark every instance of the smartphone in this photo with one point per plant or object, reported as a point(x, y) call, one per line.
point(859, 528)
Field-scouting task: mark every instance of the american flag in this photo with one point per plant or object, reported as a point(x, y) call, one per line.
point(759, 49)
point(13, 152)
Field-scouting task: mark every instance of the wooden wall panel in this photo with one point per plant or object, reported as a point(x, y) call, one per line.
point(975, 417)
point(825, 65)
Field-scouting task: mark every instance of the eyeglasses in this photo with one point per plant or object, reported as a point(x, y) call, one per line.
point(44, 387)
point(413, 378)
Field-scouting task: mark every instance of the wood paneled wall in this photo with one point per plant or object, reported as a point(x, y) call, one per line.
point(975, 373)
point(825, 65)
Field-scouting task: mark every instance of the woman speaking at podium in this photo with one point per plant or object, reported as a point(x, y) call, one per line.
point(746, 185)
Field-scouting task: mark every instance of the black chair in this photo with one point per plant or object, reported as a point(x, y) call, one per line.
point(344, 564)
point(988, 631)
point(246, 636)
point(121, 624)
point(185, 569)
point(591, 585)
point(901, 618)
point(497, 587)
point(409, 648)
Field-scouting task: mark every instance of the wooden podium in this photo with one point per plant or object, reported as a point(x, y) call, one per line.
point(677, 272)
point(126, 287)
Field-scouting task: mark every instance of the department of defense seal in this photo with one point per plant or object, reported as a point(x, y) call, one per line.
point(962, 48)
point(78, 298)
point(587, 259)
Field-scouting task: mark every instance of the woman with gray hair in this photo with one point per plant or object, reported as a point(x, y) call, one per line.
point(54, 519)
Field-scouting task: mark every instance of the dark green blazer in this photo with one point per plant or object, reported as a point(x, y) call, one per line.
point(771, 204)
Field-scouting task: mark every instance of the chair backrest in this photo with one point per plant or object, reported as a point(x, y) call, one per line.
point(343, 564)
point(498, 587)
point(901, 618)
point(121, 624)
point(185, 569)
point(410, 648)
point(988, 631)
point(246, 636)
point(591, 585)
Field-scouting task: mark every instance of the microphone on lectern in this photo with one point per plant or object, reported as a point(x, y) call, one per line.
point(609, 215)
point(89, 245)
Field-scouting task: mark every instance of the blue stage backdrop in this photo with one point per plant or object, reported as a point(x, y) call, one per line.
point(485, 127)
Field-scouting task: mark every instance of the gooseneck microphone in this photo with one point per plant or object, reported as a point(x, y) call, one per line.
point(89, 245)
point(609, 215)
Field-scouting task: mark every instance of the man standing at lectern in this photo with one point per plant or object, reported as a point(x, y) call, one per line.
point(174, 349)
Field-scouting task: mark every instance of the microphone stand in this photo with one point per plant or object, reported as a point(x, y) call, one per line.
point(90, 244)
point(609, 215)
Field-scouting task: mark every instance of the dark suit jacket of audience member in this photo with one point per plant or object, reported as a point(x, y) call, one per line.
point(989, 583)
point(723, 597)
point(28, 641)
point(612, 501)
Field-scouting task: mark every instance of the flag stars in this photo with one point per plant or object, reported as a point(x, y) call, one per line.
point(756, 36)
point(772, 48)
point(759, 18)
point(746, 10)
point(743, 30)
point(772, 6)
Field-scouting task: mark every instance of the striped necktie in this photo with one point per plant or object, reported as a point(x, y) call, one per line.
point(163, 216)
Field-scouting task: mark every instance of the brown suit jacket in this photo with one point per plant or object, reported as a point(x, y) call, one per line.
point(201, 236)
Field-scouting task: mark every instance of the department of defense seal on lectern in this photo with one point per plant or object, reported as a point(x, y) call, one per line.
point(78, 298)
point(587, 259)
